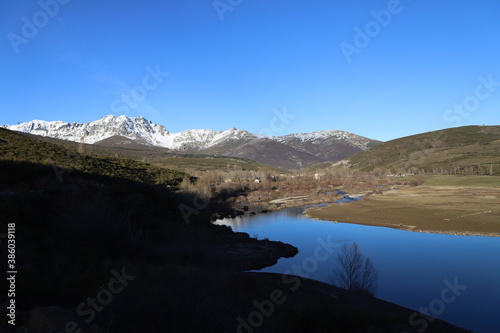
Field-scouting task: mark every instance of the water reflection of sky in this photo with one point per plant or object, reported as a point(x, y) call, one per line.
point(412, 266)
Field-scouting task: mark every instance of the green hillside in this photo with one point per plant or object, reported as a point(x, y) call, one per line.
point(462, 150)
point(17, 147)
point(158, 156)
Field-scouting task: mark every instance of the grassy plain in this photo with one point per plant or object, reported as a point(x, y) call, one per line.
point(452, 205)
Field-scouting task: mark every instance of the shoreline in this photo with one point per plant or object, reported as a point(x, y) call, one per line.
point(408, 228)
point(454, 210)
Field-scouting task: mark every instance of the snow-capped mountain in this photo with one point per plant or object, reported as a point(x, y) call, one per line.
point(293, 150)
point(138, 129)
point(328, 145)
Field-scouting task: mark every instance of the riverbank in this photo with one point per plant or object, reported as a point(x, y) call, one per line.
point(261, 201)
point(469, 208)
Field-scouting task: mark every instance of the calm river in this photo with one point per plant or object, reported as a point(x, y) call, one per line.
point(413, 268)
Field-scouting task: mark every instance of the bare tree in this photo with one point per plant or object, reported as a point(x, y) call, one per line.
point(354, 271)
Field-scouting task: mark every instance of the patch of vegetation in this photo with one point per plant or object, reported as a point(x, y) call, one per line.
point(318, 166)
point(208, 163)
point(490, 181)
point(18, 147)
point(453, 150)
point(161, 157)
point(373, 143)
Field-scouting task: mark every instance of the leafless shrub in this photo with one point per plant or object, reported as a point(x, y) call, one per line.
point(354, 271)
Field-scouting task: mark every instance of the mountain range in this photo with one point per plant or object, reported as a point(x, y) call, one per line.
point(287, 152)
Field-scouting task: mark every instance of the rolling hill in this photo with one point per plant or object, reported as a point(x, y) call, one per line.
point(15, 147)
point(122, 147)
point(460, 150)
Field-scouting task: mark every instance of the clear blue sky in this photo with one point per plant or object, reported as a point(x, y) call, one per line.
point(238, 64)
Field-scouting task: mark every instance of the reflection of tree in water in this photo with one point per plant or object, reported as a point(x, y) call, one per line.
point(248, 221)
point(354, 271)
point(294, 212)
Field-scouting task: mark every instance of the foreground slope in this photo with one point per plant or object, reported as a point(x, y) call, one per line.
point(17, 147)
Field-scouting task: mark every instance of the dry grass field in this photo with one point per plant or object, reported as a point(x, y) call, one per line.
point(452, 205)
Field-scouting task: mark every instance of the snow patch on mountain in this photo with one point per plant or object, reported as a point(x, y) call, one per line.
point(318, 137)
